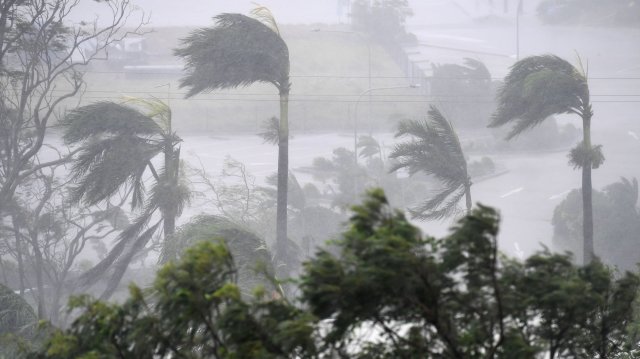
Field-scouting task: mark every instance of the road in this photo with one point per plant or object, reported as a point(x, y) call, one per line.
point(526, 195)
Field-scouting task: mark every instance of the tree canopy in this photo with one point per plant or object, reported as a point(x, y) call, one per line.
point(389, 292)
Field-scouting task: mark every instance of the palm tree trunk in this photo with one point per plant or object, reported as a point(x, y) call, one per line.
point(467, 194)
point(587, 206)
point(283, 177)
point(171, 178)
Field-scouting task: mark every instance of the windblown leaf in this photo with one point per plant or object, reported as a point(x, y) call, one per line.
point(237, 51)
point(434, 149)
point(106, 118)
point(536, 88)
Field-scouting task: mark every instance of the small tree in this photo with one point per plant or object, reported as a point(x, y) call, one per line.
point(435, 150)
point(538, 87)
point(118, 143)
point(41, 62)
point(240, 51)
point(389, 292)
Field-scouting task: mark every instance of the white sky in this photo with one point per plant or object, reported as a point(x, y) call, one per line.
point(200, 12)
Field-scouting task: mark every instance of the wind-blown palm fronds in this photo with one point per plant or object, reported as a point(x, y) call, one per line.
point(250, 253)
point(270, 130)
point(538, 87)
point(239, 51)
point(16, 315)
point(368, 147)
point(434, 149)
point(116, 155)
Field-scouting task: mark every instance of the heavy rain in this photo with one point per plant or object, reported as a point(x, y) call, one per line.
point(319, 179)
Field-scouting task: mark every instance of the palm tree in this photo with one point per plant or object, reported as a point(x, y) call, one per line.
point(118, 144)
point(538, 87)
point(434, 150)
point(239, 51)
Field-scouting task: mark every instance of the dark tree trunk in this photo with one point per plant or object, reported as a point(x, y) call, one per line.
point(42, 312)
point(467, 194)
point(587, 206)
point(283, 178)
point(16, 232)
point(171, 172)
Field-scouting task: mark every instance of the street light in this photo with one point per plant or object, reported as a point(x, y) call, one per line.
point(355, 126)
point(355, 117)
point(367, 41)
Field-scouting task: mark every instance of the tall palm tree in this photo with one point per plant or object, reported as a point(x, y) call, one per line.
point(434, 149)
point(538, 87)
point(118, 145)
point(239, 51)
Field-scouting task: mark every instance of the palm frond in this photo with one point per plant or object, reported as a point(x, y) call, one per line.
point(624, 193)
point(123, 241)
point(264, 15)
point(171, 191)
point(16, 315)
point(476, 69)
point(271, 131)
point(581, 156)
point(434, 149)
point(536, 88)
point(248, 250)
point(444, 204)
point(106, 117)
point(368, 146)
point(237, 51)
point(155, 109)
point(104, 166)
point(122, 264)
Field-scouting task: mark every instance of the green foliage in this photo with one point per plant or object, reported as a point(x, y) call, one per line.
point(435, 150)
point(616, 223)
point(118, 143)
point(17, 320)
point(237, 52)
point(538, 87)
point(389, 292)
point(250, 254)
point(456, 297)
point(194, 311)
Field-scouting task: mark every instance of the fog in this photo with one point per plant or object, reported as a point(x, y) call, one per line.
point(350, 81)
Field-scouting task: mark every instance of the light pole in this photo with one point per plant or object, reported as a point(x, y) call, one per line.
point(518, 12)
point(355, 126)
point(367, 41)
point(355, 116)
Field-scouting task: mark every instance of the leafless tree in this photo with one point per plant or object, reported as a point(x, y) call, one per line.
point(42, 59)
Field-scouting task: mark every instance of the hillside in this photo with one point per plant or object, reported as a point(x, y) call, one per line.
point(329, 70)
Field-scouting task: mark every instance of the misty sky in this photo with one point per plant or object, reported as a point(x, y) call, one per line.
point(200, 12)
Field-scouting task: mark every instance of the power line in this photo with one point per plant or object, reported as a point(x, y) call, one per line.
point(164, 93)
point(348, 76)
point(344, 101)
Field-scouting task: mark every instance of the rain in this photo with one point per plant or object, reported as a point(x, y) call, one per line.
point(331, 172)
